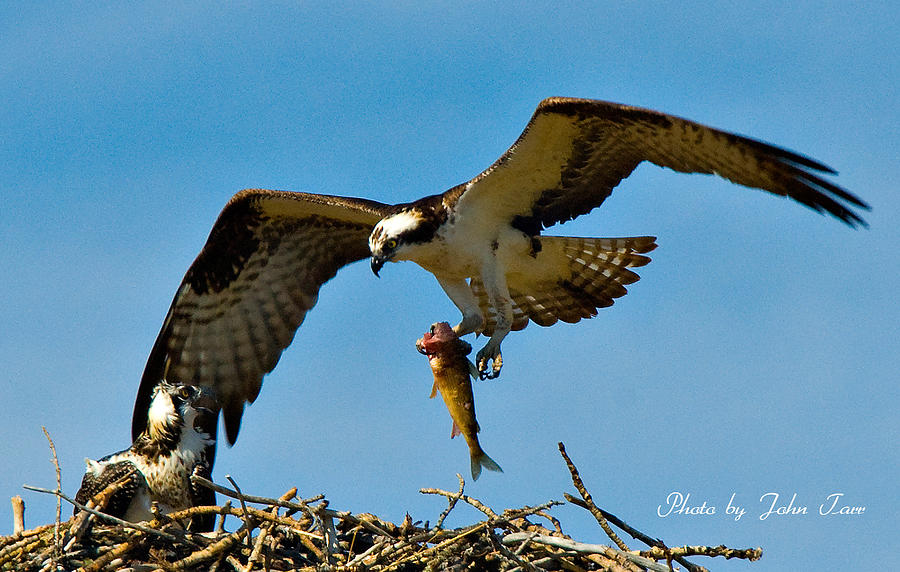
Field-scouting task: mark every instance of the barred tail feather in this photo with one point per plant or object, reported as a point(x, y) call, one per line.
point(599, 268)
point(589, 273)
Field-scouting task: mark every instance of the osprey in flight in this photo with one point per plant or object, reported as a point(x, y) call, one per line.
point(178, 440)
point(269, 252)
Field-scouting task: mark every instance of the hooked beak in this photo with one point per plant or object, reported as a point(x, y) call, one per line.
point(207, 402)
point(207, 408)
point(377, 263)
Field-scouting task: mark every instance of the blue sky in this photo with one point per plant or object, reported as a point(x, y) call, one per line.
point(757, 354)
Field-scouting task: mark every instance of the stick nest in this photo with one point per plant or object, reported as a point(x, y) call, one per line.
point(305, 534)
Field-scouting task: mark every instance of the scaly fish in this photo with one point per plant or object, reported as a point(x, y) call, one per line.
point(452, 369)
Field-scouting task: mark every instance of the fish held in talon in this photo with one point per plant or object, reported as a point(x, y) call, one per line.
point(447, 356)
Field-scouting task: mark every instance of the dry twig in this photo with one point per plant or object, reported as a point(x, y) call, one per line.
point(55, 459)
point(18, 509)
point(598, 514)
point(309, 536)
point(658, 550)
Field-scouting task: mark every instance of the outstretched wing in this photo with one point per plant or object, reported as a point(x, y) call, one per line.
point(573, 153)
point(248, 291)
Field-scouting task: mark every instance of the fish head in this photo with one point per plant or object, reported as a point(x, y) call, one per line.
point(439, 334)
point(442, 332)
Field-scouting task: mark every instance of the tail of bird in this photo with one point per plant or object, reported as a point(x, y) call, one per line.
point(481, 459)
point(600, 266)
point(572, 277)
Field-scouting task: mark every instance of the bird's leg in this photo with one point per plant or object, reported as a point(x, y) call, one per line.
point(498, 298)
point(459, 292)
point(469, 323)
point(488, 360)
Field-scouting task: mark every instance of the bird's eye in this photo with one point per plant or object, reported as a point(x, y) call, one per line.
point(184, 392)
point(391, 243)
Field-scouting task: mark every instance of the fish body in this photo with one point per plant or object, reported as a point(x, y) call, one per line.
point(452, 370)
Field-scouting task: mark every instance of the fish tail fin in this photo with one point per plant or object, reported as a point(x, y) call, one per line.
point(480, 460)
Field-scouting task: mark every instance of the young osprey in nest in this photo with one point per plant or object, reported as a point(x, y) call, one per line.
point(269, 252)
point(178, 441)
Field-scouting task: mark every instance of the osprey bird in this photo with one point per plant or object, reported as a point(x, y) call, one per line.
point(269, 252)
point(178, 441)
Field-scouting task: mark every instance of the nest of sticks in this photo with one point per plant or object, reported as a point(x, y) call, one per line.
point(289, 533)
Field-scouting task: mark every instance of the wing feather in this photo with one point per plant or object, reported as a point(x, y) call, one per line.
point(94, 483)
point(574, 152)
point(248, 291)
